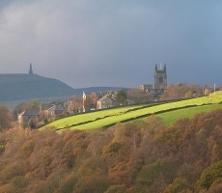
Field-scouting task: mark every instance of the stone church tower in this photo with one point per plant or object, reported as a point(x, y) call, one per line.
point(160, 78)
point(31, 70)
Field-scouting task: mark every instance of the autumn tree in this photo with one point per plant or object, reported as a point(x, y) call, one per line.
point(180, 90)
point(26, 106)
point(135, 157)
point(138, 96)
point(91, 100)
point(121, 97)
point(5, 118)
point(74, 104)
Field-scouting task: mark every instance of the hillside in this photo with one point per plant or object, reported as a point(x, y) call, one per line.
point(182, 109)
point(142, 157)
point(21, 87)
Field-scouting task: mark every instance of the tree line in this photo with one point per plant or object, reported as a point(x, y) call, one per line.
point(143, 156)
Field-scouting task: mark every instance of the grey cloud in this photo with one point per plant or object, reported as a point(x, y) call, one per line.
point(97, 42)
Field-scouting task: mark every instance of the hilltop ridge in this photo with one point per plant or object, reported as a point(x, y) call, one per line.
point(24, 87)
point(21, 87)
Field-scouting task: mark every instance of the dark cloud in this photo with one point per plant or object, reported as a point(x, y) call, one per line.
point(4, 3)
point(97, 42)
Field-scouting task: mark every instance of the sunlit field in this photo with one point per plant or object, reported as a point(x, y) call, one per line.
point(170, 118)
point(169, 112)
point(90, 117)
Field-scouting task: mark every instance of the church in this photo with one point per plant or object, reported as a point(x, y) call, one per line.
point(160, 82)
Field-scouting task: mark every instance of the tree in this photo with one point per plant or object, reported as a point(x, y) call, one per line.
point(121, 97)
point(179, 91)
point(91, 100)
point(5, 118)
point(210, 175)
point(26, 106)
point(138, 96)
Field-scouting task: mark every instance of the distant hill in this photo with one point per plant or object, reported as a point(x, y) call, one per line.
point(21, 87)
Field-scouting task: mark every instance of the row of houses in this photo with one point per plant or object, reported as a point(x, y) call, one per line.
point(106, 102)
point(34, 118)
point(110, 101)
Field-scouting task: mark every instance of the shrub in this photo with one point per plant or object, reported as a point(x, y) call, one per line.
point(216, 187)
point(92, 184)
point(211, 174)
point(68, 185)
point(178, 185)
point(8, 188)
point(19, 182)
point(150, 173)
point(116, 189)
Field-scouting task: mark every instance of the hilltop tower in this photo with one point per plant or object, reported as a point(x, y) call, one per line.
point(31, 70)
point(160, 78)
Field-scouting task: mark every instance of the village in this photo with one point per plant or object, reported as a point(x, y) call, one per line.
point(110, 96)
point(39, 114)
point(36, 114)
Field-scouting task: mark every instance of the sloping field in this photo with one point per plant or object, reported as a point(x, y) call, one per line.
point(109, 117)
point(171, 117)
point(90, 117)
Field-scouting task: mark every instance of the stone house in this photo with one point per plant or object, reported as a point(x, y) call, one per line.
point(29, 119)
point(145, 87)
point(60, 110)
point(49, 113)
point(106, 102)
point(35, 118)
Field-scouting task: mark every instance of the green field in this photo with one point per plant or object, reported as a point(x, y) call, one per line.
point(109, 117)
point(90, 117)
point(171, 117)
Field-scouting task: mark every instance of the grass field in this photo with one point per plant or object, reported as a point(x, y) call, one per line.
point(109, 117)
point(90, 117)
point(171, 117)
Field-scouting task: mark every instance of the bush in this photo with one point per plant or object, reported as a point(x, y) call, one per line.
point(150, 173)
point(210, 175)
point(5, 118)
point(92, 184)
point(19, 182)
point(68, 185)
point(178, 185)
point(8, 188)
point(216, 187)
point(116, 189)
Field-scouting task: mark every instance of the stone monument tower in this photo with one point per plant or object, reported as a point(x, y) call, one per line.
point(31, 70)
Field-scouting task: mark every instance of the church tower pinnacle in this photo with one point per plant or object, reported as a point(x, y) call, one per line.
point(160, 77)
point(31, 70)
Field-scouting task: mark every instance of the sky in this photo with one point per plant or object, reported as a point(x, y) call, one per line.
point(112, 43)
